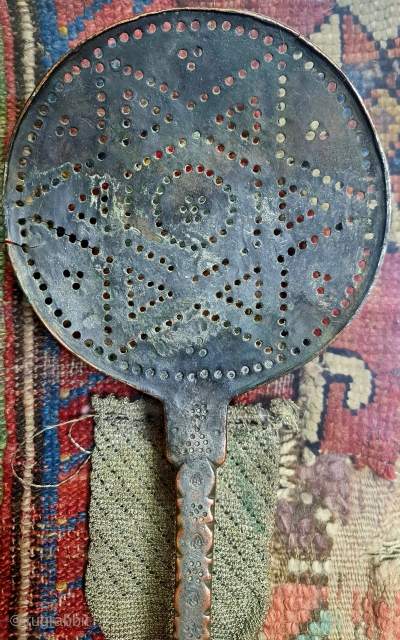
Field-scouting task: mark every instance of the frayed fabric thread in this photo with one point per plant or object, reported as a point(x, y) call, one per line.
point(29, 441)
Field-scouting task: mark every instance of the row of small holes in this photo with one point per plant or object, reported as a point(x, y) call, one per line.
point(347, 112)
point(284, 274)
point(325, 321)
point(85, 63)
point(195, 26)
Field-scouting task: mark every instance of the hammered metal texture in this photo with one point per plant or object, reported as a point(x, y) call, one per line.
point(202, 196)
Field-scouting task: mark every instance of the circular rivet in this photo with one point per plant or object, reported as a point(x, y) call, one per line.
point(203, 353)
point(189, 350)
point(257, 367)
point(204, 374)
point(192, 377)
point(150, 373)
point(179, 375)
point(231, 375)
point(218, 374)
point(136, 369)
point(164, 375)
point(244, 371)
point(268, 364)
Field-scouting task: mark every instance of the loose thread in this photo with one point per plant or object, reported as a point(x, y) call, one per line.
point(77, 445)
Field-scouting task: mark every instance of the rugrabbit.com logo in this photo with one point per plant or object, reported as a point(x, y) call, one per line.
point(52, 621)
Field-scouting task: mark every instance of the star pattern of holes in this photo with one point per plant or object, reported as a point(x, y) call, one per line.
point(115, 65)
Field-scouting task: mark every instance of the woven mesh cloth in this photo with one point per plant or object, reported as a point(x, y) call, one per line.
point(130, 576)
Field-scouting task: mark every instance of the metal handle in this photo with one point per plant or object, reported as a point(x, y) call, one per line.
point(197, 446)
point(195, 540)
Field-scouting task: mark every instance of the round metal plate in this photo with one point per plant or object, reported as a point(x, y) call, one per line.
point(196, 196)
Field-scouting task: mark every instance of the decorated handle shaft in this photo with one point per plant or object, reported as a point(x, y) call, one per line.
point(197, 446)
point(195, 540)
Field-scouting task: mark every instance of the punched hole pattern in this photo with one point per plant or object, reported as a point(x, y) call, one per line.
point(306, 244)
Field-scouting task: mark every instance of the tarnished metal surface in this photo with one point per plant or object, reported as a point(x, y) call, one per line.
point(196, 203)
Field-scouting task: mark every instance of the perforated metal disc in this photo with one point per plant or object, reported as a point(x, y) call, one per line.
point(196, 196)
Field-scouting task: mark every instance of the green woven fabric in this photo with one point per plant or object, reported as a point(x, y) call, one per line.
point(131, 572)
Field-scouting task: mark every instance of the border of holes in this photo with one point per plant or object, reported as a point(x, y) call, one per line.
point(257, 368)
